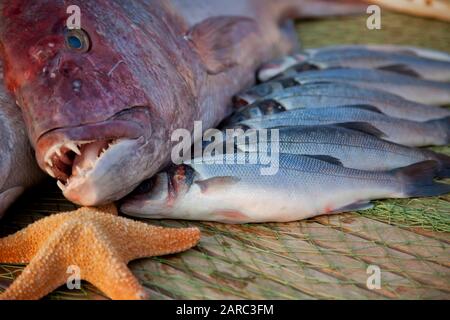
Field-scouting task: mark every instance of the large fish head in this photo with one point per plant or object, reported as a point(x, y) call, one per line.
point(86, 114)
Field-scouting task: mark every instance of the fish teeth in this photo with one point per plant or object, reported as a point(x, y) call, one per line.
point(72, 146)
point(78, 170)
point(49, 162)
point(58, 152)
point(50, 172)
point(61, 185)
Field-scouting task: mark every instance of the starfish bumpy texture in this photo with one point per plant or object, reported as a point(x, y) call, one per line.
point(100, 243)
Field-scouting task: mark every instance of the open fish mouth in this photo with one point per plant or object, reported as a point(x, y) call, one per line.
point(84, 158)
point(72, 160)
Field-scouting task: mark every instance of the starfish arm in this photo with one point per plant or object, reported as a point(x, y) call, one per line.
point(116, 281)
point(101, 263)
point(40, 277)
point(145, 241)
point(107, 208)
point(21, 246)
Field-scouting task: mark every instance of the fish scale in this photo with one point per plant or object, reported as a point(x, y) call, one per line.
point(429, 64)
point(335, 94)
point(364, 58)
point(411, 88)
point(352, 148)
point(406, 132)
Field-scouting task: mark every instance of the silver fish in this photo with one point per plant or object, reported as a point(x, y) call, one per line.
point(401, 131)
point(277, 66)
point(274, 67)
point(323, 95)
point(18, 168)
point(390, 48)
point(263, 90)
point(415, 89)
point(353, 149)
point(303, 187)
point(368, 59)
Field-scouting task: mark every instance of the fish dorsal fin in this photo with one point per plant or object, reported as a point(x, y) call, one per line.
point(325, 158)
point(401, 69)
point(216, 183)
point(363, 127)
point(219, 41)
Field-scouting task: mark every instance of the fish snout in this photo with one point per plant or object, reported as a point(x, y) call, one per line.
point(153, 197)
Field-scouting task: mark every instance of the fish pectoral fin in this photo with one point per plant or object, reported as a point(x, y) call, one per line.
point(356, 206)
point(325, 158)
point(363, 127)
point(401, 69)
point(216, 183)
point(221, 41)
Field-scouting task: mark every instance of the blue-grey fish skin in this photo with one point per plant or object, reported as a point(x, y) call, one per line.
point(354, 149)
point(387, 48)
point(303, 187)
point(411, 88)
point(262, 90)
point(370, 59)
point(275, 67)
point(322, 95)
point(401, 131)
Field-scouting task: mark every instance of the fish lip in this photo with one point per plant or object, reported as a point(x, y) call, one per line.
point(126, 128)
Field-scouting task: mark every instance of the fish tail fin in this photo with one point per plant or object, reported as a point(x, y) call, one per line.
point(417, 180)
point(442, 125)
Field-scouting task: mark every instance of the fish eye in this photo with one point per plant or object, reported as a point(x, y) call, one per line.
point(268, 107)
point(78, 40)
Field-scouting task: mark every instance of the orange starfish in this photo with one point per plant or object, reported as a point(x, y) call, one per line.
point(99, 243)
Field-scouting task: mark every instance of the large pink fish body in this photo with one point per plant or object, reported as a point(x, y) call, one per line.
point(100, 102)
